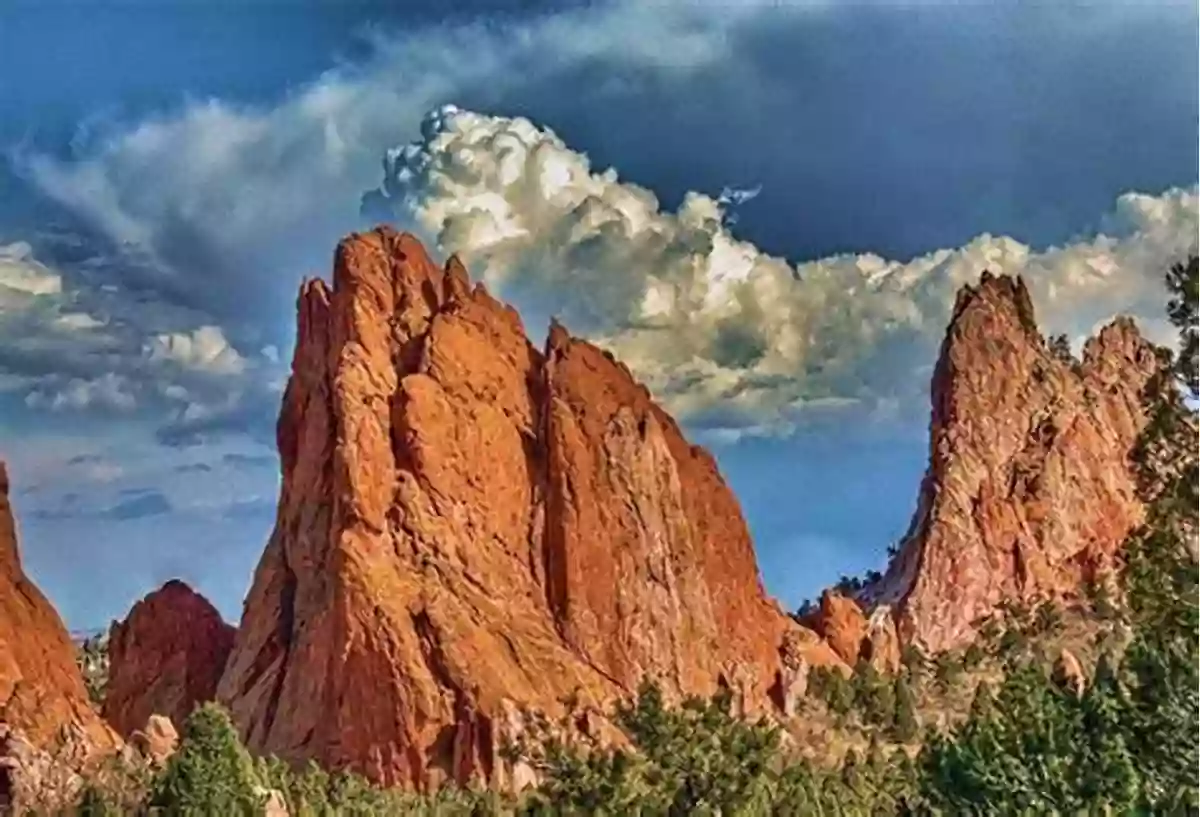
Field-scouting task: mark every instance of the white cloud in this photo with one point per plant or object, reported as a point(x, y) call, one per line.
point(109, 391)
point(210, 191)
point(733, 196)
point(230, 202)
point(21, 276)
point(78, 344)
point(732, 337)
point(205, 349)
point(77, 321)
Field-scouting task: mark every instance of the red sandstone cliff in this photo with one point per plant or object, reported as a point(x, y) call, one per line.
point(468, 525)
point(1029, 492)
point(43, 701)
point(164, 658)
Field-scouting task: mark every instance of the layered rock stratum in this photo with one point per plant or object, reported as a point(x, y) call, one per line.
point(165, 658)
point(1029, 493)
point(470, 527)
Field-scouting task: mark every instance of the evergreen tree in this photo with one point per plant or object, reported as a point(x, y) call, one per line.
point(1182, 310)
point(905, 727)
point(211, 773)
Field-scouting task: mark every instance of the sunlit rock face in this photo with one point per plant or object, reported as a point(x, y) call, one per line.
point(469, 525)
point(1029, 491)
point(44, 708)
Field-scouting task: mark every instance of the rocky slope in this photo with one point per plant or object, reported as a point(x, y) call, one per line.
point(469, 526)
point(164, 658)
point(1029, 493)
point(43, 702)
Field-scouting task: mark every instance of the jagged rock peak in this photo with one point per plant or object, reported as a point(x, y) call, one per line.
point(469, 526)
point(165, 658)
point(1029, 491)
point(42, 694)
point(10, 557)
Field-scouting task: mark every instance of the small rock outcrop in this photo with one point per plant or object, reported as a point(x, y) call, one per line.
point(48, 728)
point(1069, 672)
point(841, 622)
point(165, 658)
point(468, 524)
point(157, 740)
point(882, 648)
point(1029, 492)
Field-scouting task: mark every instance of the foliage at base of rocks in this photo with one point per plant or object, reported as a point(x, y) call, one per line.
point(91, 656)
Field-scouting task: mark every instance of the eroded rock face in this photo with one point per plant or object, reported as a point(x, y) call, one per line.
point(48, 729)
point(157, 740)
point(165, 658)
point(1028, 492)
point(882, 647)
point(841, 622)
point(466, 520)
point(42, 693)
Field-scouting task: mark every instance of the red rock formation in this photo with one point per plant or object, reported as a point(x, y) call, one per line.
point(468, 525)
point(1028, 491)
point(42, 694)
point(156, 741)
point(840, 621)
point(165, 658)
point(882, 647)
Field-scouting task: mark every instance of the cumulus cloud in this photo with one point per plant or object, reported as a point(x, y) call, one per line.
point(21, 276)
point(205, 349)
point(78, 339)
point(736, 340)
point(218, 208)
point(210, 192)
point(108, 391)
point(211, 212)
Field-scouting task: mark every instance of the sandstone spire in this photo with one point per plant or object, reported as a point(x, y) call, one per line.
point(42, 695)
point(1028, 492)
point(469, 525)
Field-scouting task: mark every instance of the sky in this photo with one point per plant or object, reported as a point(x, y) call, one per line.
point(764, 208)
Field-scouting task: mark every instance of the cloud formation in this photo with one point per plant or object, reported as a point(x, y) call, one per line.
point(149, 503)
point(210, 192)
point(205, 349)
point(78, 339)
point(734, 339)
point(216, 210)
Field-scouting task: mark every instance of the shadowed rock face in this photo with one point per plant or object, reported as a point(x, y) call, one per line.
point(165, 658)
point(468, 525)
point(42, 694)
point(1029, 492)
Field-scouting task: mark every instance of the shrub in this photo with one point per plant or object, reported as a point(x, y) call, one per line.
point(210, 773)
point(906, 726)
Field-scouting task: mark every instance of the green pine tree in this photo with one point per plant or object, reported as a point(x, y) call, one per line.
point(211, 773)
point(906, 726)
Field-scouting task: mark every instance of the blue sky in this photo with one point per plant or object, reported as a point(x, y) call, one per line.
point(173, 169)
